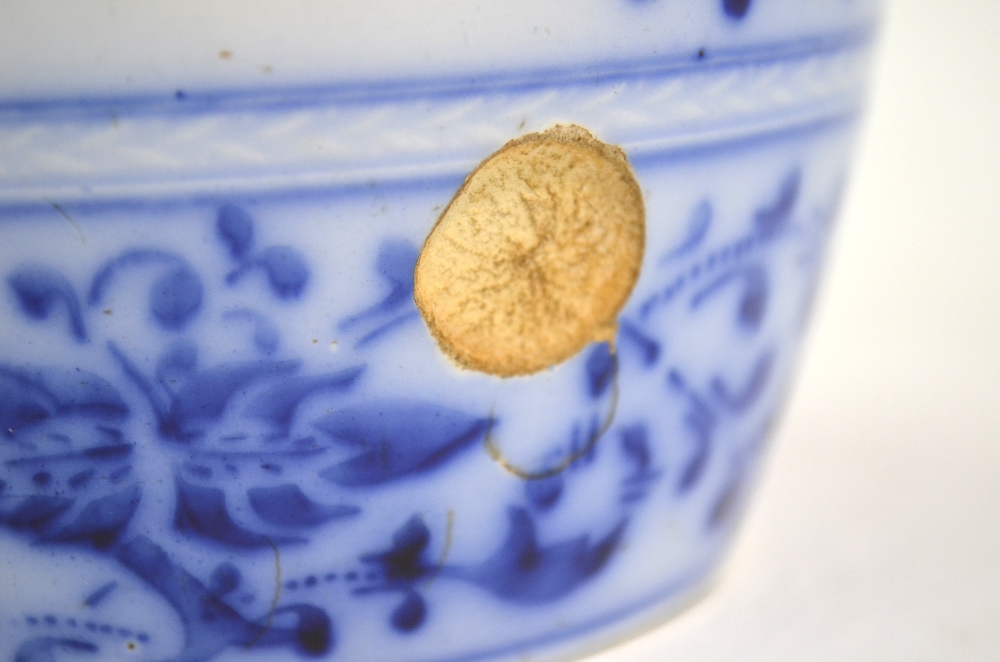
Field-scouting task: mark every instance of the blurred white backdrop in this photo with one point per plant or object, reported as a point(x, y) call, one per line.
point(875, 532)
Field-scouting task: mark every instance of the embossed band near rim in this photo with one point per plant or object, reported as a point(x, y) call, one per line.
point(96, 150)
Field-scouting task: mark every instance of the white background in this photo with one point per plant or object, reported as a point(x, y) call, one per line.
point(875, 530)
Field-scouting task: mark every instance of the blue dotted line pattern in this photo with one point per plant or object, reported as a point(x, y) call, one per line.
point(314, 581)
point(92, 626)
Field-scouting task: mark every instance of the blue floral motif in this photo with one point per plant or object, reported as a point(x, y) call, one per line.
point(730, 262)
point(402, 567)
point(254, 470)
point(286, 270)
point(211, 624)
point(397, 438)
point(70, 479)
point(174, 297)
point(737, 265)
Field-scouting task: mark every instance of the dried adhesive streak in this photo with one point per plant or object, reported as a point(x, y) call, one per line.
point(535, 255)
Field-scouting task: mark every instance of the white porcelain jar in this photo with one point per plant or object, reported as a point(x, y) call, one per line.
point(227, 430)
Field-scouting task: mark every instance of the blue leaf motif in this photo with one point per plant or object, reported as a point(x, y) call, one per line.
point(235, 229)
point(739, 400)
point(277, 405)
point(287, 505)
point(32, 395)
point(601, 367)
point(637, 453)
point(701, 421)
point(23, 402)
point(66, 494)
point(525, 572)
point(101, 521)
point(177, 361)
point(397, 438)
point(635, 444)
point(203, 398)
point(201, 511)
point(35, 512)
point(286, 270)
point(772, 219)
point(204, 395)
point(395, 263)
point(40, 289)
point(80, 392)
point(648, 348)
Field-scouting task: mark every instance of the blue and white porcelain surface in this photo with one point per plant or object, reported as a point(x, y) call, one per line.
point(226, 433)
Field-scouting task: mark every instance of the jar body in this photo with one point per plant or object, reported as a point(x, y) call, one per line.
point(230, 435)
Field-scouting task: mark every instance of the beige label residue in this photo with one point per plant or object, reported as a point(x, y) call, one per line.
point(535, 255)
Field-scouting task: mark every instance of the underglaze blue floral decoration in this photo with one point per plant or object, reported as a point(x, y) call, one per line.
point(225, 429)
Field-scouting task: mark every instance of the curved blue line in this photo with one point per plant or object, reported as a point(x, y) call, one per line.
point(441, 87)
point(671, 590)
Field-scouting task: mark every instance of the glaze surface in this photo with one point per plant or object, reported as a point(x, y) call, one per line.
point(227, 434)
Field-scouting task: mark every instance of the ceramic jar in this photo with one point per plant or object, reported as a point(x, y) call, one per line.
point(230, 431)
